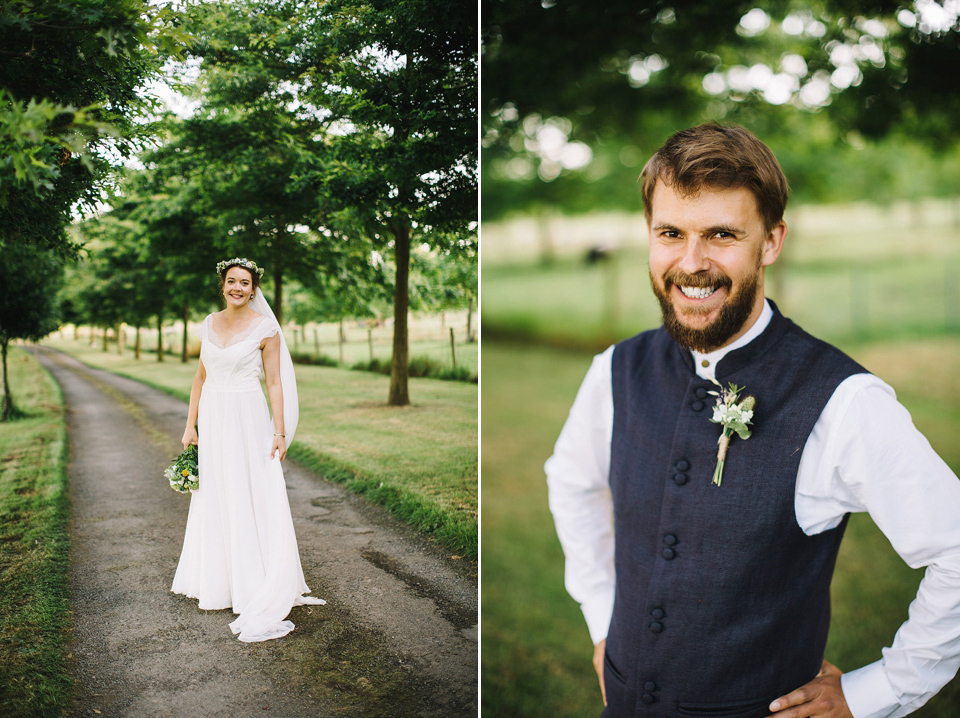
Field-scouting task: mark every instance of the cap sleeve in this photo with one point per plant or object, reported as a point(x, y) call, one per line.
point(265, 329)
point(201, 332)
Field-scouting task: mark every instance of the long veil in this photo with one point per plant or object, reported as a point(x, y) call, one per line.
point(288, 380)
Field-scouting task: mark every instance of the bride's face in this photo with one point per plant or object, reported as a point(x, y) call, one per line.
point(237, 286)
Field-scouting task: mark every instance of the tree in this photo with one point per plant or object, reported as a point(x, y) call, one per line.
point(393, 87)
point(399, 81)
point(70, 71)
point(238, 154)
point(27, 305)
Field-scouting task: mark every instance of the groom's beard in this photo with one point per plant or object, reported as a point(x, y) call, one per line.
point(733, 314)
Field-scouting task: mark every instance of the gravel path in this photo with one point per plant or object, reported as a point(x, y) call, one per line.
point(398, 636)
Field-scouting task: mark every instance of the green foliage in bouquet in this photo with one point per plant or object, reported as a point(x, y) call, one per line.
point(183, 473)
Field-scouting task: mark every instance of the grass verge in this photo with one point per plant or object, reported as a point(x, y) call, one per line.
point(418, 461)
point(34, 545)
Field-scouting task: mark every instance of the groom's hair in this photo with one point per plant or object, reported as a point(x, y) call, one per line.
point(715, 157)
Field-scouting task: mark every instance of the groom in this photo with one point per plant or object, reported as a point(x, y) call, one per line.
point(714, 600)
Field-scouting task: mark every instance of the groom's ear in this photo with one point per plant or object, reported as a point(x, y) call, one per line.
point(773, 244)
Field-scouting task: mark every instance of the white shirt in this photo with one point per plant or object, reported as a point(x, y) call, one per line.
point(864, 454)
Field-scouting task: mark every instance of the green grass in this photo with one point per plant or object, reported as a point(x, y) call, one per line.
point(34, 546)
point(536, 653)
point(418, 461)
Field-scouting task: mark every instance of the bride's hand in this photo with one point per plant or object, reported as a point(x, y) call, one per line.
point(189, 437)
point(279, 444)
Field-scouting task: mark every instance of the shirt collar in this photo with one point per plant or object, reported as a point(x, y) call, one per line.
point(706, 364)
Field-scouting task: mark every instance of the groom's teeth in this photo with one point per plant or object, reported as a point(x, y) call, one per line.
point(698, 292)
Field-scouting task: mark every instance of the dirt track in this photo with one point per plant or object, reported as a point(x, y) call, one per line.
point(398, 636)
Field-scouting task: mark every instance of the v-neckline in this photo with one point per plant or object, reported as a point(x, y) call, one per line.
point(238, 336)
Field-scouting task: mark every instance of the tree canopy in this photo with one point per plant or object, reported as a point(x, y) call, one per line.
point(332, 142)
point(576, 96)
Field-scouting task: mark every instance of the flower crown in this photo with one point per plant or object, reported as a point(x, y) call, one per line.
point(239, 262)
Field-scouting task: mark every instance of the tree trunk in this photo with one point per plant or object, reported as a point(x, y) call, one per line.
point(121, 337)
point(186, 318)
point(104, 338)
point(137, 345)
point(8, 411)
point(399, 395)
point(470, 320)
point(159, 336)
point(278, 295)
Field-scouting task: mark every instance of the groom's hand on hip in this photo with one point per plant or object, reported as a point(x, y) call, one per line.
point(598, 651)
point(820, 698)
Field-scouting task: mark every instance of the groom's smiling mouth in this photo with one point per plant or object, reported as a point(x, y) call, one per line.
point(697, 292)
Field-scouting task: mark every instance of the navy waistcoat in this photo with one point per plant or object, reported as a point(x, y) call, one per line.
point(722, 602)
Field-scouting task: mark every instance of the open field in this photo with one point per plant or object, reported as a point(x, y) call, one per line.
point(33, 547)
point(536, 651)
point(420, 461)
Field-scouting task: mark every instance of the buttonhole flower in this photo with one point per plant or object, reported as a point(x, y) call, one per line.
point(734, 417)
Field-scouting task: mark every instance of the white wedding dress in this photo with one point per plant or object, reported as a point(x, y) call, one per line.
point(240, 550)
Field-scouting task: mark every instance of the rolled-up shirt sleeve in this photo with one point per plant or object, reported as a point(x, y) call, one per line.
point(580, 500)
point(875, 460)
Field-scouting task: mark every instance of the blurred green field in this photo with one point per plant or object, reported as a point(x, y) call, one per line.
point(571, 303)
point(885, 291)
point(850, 273)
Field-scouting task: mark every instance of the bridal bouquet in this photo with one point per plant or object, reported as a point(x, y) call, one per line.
point(183, 473)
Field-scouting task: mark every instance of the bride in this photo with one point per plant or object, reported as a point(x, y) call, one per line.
point(239, 549)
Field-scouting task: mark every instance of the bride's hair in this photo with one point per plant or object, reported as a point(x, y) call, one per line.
point(254, 276)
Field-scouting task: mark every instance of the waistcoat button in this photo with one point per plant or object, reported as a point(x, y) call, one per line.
point(680, 479)
point(701, 392)
point(656, 627)
point(670, 540)
point(683, 465)
point(647, 698)
point(657, 613)
point(697, 405)
point(669, 553)
point(649, 686)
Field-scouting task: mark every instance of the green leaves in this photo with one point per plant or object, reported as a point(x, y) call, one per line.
point(37, 138)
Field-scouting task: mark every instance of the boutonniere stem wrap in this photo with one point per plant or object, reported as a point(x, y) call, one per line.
point(734, 416)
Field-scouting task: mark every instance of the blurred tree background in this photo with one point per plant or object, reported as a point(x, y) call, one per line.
point(333, 143)
point(859, 101)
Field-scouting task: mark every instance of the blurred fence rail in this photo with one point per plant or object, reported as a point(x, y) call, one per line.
point(548, 236)
point(847, 273)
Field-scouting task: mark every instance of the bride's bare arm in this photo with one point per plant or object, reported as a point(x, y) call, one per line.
point(271, 369)
point(190, 433)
